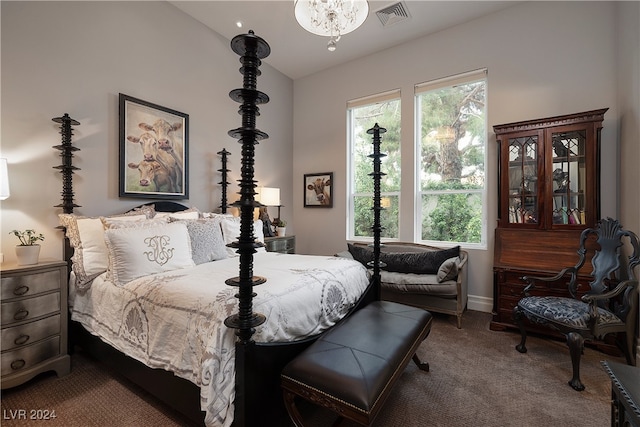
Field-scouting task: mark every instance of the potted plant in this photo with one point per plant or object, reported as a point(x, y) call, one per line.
point(28, 250)
point(280, 227)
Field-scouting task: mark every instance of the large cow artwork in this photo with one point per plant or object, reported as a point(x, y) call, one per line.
point(161, 159)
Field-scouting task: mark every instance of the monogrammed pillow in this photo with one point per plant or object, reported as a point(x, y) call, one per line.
point(137, 252)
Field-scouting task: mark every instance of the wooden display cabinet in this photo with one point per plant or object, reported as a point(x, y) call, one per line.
point(549, 191)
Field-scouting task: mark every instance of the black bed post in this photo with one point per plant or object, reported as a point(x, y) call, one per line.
point(377, 175)
point(251, 49)
point(224, 182)
point(66, 169)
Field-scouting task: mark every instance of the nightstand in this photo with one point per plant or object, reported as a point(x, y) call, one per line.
point(34, 321)
point(284, 244)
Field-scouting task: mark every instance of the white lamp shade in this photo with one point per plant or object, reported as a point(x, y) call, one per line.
point(4, 180)
point(269, 196)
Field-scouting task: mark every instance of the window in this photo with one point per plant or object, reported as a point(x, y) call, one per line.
point(362, 115)
point(450, 159)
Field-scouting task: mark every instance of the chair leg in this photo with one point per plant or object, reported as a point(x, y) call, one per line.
point(575, 342)
point(459, 320)
point(517, 317)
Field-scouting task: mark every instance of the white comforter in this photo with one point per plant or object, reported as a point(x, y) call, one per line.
point(174, 320)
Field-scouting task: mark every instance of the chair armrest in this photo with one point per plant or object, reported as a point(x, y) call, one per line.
point(594, 298)
point(531, 280)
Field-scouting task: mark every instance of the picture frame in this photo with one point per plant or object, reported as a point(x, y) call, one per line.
point(153, 155)
point(317, 190)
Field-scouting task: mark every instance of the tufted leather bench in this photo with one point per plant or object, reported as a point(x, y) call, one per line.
point(352, 368)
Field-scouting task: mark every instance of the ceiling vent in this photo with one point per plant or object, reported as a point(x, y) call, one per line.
point(393, 14)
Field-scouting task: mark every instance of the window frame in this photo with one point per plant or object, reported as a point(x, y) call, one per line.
point(450, 81)
point(390, 95)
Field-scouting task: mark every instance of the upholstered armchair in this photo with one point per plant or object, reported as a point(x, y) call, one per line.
point(609, 305)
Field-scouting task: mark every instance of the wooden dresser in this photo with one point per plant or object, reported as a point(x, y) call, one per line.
point(34, 321)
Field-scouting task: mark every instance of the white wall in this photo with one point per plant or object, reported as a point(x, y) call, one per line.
point(544, 59)
point(629, 106)
point(75, 57)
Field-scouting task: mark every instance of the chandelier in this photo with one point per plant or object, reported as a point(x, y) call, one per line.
point(331, 18)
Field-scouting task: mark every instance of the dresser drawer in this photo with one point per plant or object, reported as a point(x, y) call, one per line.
point(29, 333)
point(31, 284)
point(30, 308)
point(26, 357)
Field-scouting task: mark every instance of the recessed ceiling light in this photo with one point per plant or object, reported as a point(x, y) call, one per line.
point(239, 24)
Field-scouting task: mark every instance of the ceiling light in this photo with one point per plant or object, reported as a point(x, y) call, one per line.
point(331, 18)
point(239, 24)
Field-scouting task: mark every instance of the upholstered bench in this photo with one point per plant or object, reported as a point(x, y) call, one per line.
point(352, 368)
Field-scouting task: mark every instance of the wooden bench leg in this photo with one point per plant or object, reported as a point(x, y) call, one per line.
point(292, 409)
point(424, 366)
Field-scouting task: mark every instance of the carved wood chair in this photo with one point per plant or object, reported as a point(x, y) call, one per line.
point(610, 305)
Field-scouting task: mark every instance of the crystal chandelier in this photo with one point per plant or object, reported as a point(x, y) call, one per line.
point(331, 18)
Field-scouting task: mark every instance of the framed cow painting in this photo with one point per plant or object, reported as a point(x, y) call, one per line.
point(317, 190)
point(154, 161)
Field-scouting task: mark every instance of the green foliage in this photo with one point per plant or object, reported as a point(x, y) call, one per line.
point(27, 237)
point(453, 220)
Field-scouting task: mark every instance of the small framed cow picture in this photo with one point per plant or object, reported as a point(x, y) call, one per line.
point(317, 190)
point(154, 161)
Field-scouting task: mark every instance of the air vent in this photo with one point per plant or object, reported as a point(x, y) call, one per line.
point(393, 14)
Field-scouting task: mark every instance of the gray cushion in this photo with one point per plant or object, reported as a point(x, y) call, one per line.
point(449, 269)
point(563, 311)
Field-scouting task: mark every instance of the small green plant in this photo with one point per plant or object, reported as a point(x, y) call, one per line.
point(281, 223)
point(27, 237)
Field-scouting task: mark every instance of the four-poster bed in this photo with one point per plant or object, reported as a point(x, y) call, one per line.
point(249, 374)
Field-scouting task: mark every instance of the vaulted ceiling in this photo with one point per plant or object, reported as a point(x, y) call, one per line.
point(297, 53)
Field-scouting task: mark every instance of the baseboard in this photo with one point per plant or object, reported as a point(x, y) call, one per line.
point(478, 303)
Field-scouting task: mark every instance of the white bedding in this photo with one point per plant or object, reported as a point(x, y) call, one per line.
point(173, 320)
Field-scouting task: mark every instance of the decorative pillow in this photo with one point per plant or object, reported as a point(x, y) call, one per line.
point(362, 254)
point(137, 252)
point(137, 223)
point(448, 270)
point(147, 210)
point(86, 236)
point(424, 262)
point(231, 233)
point(207, 243)
point(191, 213)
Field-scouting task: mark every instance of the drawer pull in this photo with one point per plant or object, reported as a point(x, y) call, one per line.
point(21, 339)
point(21, 290)
point(21, 314)
point(18, 364)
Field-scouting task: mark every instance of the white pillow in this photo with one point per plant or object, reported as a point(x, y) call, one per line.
point(191, 213)
point(231, 233)
point(86, 236)
point(137, 252)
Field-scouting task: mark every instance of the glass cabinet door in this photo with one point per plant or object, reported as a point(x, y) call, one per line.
point(568, 176)
point(523, 180)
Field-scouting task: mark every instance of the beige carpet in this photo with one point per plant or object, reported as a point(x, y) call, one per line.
point(477, 378)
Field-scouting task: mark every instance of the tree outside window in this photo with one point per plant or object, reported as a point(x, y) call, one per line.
point(361, 118)
point(451, 161)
